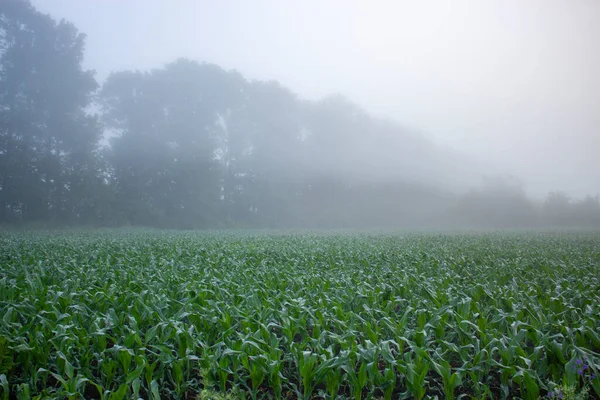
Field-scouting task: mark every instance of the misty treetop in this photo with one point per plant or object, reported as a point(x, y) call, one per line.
point(47, 141)
point(193, 145)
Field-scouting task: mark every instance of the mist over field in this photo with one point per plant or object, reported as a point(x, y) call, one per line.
point(340, 199)
point(299, 115)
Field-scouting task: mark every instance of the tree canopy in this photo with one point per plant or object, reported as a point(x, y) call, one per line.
point(191, 145)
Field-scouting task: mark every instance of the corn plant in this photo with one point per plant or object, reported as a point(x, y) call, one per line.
point(119, 314)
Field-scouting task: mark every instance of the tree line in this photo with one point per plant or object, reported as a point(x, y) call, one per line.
point(191, 145)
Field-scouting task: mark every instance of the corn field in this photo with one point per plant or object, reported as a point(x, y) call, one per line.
point(122, 314)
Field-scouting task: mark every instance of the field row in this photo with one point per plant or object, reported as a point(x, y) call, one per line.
point(147, 314)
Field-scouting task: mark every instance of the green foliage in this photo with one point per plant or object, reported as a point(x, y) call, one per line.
point(566, 392)
point(127, 314)
point(212, 395)
point(48, 165)
point(6, 359)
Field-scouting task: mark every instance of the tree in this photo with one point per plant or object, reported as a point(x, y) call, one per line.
point(47, 140)
point(168, 126)
point(271, 167)
point(500, 203)
point(557, 209)
point(587, 211)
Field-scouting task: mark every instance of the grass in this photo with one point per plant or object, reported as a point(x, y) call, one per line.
point(154, 314)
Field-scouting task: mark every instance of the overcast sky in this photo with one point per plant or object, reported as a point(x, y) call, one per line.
point(515, 83)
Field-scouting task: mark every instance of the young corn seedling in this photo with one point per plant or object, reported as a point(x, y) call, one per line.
point(450, 380)
point(358, 379)
point(529, 385)
point(415, 371)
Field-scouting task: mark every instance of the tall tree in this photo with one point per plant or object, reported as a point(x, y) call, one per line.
point(586, 212)
point(168, 125)
point(47, 140)
point(558, 209)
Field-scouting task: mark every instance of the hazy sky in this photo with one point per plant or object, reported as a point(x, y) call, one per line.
point(515, 83)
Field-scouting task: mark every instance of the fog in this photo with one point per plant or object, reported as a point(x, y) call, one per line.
point(338, 113)
point(511, 83)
